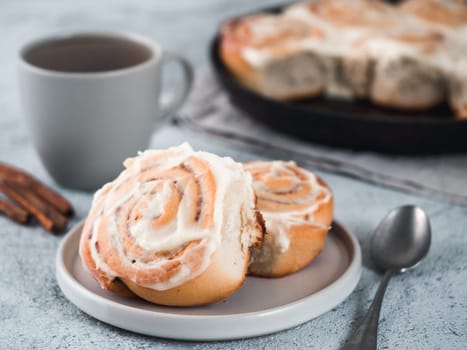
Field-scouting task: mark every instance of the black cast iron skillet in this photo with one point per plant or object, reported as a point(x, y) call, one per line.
point(357, 125)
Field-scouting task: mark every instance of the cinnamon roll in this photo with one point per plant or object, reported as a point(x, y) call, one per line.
point(297, 207)
point(406, 56)
point(175, 228)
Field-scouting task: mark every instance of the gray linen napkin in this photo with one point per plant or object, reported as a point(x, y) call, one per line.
point(208, 110)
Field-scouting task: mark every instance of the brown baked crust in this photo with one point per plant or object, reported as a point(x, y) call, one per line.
point(211, 286)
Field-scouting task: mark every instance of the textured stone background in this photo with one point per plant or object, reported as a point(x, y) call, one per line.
point(423, 309)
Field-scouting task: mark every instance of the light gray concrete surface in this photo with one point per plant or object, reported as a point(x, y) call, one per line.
point(424, 309)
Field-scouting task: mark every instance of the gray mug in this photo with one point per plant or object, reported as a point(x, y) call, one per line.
point(93, 99)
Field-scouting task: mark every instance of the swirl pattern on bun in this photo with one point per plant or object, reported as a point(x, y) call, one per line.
point(297, 207)
point(175, 228)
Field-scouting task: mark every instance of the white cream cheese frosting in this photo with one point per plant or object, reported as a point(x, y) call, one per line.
point(155, 201)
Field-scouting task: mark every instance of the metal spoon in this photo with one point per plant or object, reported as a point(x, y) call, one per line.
point(400, 241)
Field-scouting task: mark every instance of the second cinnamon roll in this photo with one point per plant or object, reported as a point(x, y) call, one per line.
point(297, 207)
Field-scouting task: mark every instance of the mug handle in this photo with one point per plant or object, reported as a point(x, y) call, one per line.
point(181, 94)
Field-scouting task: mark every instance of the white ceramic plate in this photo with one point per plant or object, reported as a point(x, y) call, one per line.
point(260, 307)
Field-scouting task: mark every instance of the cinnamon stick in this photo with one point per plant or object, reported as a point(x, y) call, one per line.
point(22, 179)
point(48, 216)
point(14, 212)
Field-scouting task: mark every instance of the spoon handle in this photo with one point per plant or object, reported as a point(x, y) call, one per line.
point(365, 336)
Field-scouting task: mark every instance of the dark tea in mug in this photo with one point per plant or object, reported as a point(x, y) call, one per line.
point(87, 54)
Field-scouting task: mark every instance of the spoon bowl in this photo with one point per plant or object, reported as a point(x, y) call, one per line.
point(402, 239)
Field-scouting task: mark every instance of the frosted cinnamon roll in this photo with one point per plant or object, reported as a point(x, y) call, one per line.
point(297, 207)
point(175, 228)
